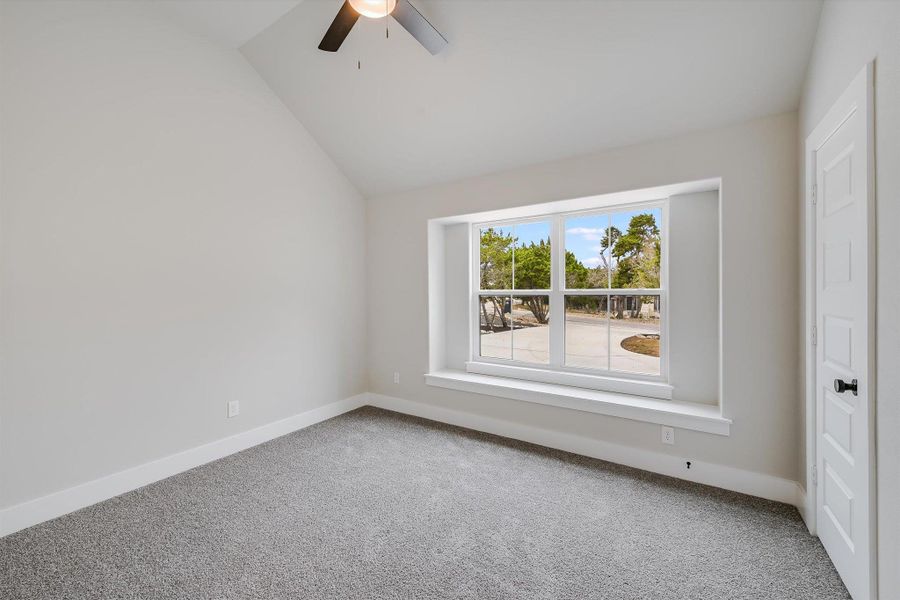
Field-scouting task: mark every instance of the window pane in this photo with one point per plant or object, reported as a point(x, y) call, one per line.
point(532, 256)
point(634, 328)
point(531, 329)
point(496, 336)
point(496, 258)
point(635, 248)
point(587, 252)
point(587, 332)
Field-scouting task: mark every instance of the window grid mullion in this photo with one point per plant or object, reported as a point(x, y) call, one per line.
point(557, 299)
point(609, 325)
point(609, 269)
point(609, 258)
point(614, 292)
point(512, 284)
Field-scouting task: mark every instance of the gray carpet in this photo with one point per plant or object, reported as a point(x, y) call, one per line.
point(377, 505)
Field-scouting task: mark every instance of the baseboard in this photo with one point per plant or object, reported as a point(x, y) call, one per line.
point(54, 505)
point(729, 478)
point(804, 508)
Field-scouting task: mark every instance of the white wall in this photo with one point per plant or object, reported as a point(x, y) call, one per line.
point(758, 165)
point(457, 275)
point(694, 297)
point(166, 231)
point(851, 34)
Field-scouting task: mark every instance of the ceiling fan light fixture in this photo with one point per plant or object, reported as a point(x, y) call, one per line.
point(374, 9)
point(401, 10)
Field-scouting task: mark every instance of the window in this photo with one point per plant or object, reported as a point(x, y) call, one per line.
point(574, 298)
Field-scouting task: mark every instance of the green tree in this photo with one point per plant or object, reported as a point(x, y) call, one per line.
point(609, 240)
point(496, 259)
point(532, 266)
point(532, 272)
point(577, 275)
point(496, 272)
point(637, 254)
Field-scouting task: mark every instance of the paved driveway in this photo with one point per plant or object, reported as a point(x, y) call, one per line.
point(588, 344)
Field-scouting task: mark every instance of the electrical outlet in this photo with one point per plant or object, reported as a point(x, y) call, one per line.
point(668, 435)
point(234, 408)
point(396, 377)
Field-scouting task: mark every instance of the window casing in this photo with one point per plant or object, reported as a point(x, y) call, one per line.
point(594, 325)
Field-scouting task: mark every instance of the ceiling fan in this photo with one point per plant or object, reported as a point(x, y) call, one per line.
point(401, 10)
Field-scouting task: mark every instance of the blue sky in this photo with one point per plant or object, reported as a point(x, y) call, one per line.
point(532, 232)
point(583, 234)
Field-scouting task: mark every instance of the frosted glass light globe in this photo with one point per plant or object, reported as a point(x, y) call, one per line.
point(374, 9)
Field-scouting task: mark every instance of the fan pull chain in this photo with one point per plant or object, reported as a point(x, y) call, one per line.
point(387, 30)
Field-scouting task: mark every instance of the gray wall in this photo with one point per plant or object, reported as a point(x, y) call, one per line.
point(757, 161)
point(851, 34)
point(170, 239)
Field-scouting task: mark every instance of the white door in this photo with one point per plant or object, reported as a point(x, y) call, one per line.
point(840, 150)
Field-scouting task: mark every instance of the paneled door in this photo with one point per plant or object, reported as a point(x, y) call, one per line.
point(840, 150)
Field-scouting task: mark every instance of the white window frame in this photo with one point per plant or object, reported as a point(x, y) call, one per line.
point(556, 372)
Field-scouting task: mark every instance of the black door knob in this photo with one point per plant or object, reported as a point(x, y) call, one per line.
point(841, 386)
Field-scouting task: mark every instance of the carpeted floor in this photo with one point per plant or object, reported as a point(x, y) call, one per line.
point(377, 505)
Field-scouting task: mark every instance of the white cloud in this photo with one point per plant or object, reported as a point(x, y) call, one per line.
point(592, 262)
point(593, 234)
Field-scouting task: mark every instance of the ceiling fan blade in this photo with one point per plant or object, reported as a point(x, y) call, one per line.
point(340, 27)
point(417, 25)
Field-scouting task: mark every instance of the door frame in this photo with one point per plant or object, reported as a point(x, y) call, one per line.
point(862, 86)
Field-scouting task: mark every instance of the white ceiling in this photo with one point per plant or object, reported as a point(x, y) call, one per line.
point(229, 22)
point(525, 81)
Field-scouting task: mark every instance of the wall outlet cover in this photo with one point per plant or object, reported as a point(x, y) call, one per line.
point(234, 408)
point(668, 435)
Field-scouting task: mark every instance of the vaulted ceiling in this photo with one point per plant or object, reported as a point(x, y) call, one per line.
point(231, 23)
point(527, 81)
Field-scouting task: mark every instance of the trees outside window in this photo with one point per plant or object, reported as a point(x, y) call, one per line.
point(610, 301)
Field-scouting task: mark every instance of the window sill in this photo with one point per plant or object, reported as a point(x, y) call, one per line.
point(616, 385)
point(684, 415)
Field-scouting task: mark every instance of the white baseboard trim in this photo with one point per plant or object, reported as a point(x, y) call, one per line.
point(804, 508)
point(54, 505)
point(729, 478)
